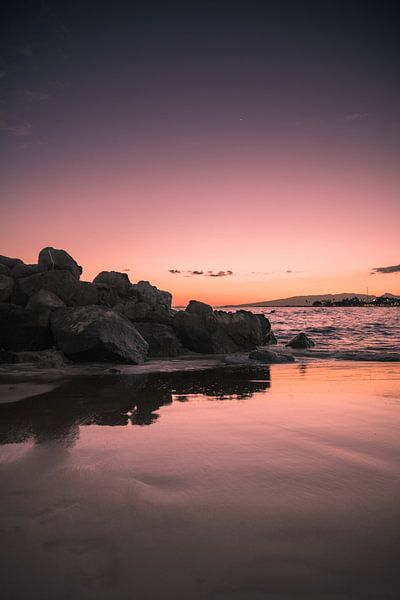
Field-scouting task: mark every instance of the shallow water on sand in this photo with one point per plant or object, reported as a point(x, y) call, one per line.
point(276, 482)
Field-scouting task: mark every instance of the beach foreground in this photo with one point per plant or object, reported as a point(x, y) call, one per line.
point(277, 482)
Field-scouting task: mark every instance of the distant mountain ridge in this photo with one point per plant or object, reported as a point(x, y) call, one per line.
point(308, 300)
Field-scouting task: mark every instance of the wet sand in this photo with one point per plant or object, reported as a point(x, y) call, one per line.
point(276, 482)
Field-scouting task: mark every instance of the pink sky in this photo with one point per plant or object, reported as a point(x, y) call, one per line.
point(327, 217)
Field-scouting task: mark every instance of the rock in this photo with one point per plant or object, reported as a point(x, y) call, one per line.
point(4, 270)
point(301, 341)
point(6, 287)
point(96, 333)
point(119, 281)
point(51, 259)
point(7, 357)
point(23, 270)
point(9, 262)
point(106, 295)
point(270, 338)
point(162, 339)
point(44, 359)
point(270, 356)
point(198, 308)
point(44, 299)
point(145, 292)
point(113, 370)
point(62, 283)
point(144, 312)
point(22, 329)
point(217, 332)
point(86, 293)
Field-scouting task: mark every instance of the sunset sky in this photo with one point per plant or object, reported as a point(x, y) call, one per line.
point(251, 147)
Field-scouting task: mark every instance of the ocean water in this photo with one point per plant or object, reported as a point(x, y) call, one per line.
point(243, 483)
point(348, 333)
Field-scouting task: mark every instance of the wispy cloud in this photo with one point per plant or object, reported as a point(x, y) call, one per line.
point(385, 270)
point(191, 272)
point(356, 116)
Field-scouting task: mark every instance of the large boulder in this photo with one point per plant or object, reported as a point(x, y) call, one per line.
point(143, 312)
point(300, 341)
point(143, 291)
point(96, 333)
point(106, 294)
point(6, 287)
point(119, 281)
point(23, 270)
point(22, 329)
point(45, 299)
point(4, 270)
point(162, 340)
point(203, 330)
point(52, 259)
point(9, 262)
point(62, 283)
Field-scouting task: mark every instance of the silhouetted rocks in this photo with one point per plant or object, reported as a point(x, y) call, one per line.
point(44, 359)
point(119, 281)
point(6, 287)
point(45, 299)
point(95, 333)
point(270, 356)
point(47, 303)
point(23, 270)
point(162, 340)
point(9, 262)
point(301, 342)
point(23, 329)
point(215, 332)
point(51, 259)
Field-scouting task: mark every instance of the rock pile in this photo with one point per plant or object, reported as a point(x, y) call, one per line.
point(46, 305)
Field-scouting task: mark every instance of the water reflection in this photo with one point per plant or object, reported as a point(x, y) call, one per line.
point(120, 400)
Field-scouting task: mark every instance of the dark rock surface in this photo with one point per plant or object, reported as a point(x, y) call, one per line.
point(45, 299)
point(143, 291)
point(143, 312)
point(22, 329)
point(9, 262)
point(4, 270)
point(119, 281)
point(94, 333)
point(162, 339)
point(6, 287)
point(52, 259)
point(203, 330)
point(301, 341)
point(23, 270)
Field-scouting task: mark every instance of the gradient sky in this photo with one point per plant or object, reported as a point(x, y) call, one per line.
point(260, 138)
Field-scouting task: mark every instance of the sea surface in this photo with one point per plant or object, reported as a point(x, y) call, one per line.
point(239, 483)
point(367, 333)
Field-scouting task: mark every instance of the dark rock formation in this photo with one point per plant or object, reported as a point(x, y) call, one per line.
point(270, 338)
point(119, 281)
point(94, 333)
point(22, 329)
point(51, 259)
point(106, 295)
point(270, 356)
point(6, 287)
point(45, 299)
point(61, 283)
point(162, 340)
point(4, 270)
point(203, 330)
point(143, 312)
point(9, 262)
point(23, 270)
point(143, 291)
point(300, 341)
point(44, 359)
